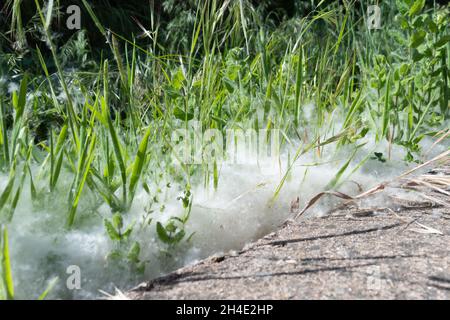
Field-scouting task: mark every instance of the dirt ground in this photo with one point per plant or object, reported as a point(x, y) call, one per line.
point(400, 251)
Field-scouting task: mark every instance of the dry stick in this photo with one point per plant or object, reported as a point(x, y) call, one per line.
point(439, 180)
point(339, 195)
point(436, 200)
point(318, 196)
point(427, 229)
point(445, 135)
point(439, 157)
point(371, 191)
point(405, 203)
point(408, 223)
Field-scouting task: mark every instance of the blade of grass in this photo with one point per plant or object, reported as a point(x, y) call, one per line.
point(138, 163)
point(6, 266)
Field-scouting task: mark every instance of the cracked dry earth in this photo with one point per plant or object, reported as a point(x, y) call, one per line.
point(397, 252)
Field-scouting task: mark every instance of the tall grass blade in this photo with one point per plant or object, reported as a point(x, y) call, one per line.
point(6, 266)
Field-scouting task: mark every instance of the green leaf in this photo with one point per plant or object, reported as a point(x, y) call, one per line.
point(339, 174)
point(162, 233)
point(117, 221)
point(20, 101)
point(387, 108)
point(171, 227)
point(418, 22)
point(81, 179)
point(118, 58)
point(114, 255)
point(190, 237)
point(229, 85)
point(442, 41)
point(431, 25)
point(178, 79)
point(33, 191)
point(416, 7)
point(179, 236)
point(2, 290)
point(48, 18)
point(94, 17)
point(55, 174)
point(61, 139)
point(181, 115)
point(417, 38)
point(133, 253)
point(49, 288)
point(403, 5)
point(7, 192)
point(128, 231)
point(119, 156)
point(416, 55)
point(139, 163)
point(404, 68)
point(379, 156)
